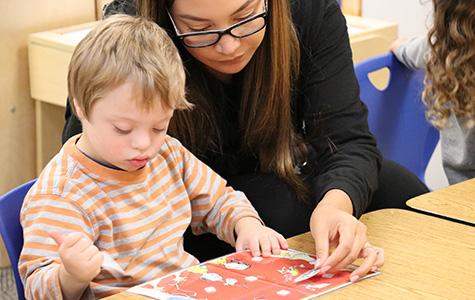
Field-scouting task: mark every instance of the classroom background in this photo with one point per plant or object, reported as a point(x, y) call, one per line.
point(30, 129)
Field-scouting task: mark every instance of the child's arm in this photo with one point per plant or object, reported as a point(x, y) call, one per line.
point(80, 263)
point(411, 53)
point(40, 262)
point(252, 235)
point(220, 209)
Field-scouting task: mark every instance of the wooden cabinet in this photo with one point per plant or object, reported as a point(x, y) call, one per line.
point(51, 51)
point(351, 7)
point(49, 56)
point(17, 114)
point(370, 37)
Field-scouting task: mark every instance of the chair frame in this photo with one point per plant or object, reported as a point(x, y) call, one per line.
point(11, 230)
point(396, 115)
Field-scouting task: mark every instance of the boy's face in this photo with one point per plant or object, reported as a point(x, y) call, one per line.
point(120, 133)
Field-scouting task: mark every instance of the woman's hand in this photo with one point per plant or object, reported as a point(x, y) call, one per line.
point(252, 235)
point(332, 224)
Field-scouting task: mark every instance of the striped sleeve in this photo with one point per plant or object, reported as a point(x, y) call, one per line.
point(215, 207)
point(39, 260)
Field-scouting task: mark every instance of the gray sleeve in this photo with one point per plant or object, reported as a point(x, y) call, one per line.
point(413, 54)
point(458, 149)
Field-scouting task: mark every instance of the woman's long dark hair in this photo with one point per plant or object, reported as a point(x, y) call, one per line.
point(265, 116)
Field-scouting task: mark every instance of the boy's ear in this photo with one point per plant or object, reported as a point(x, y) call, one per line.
point(78, 110)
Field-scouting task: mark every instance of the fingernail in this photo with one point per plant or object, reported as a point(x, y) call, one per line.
point(324, 269)
point(354, 278)
point(317, 263)
point(374, 268)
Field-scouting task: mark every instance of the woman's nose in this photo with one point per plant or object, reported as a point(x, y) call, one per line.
point(228, 44)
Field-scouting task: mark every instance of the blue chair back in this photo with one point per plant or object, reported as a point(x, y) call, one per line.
point(396, 115)
point(11, 230)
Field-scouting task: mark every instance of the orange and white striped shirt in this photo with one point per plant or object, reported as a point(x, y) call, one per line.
point(138, 217)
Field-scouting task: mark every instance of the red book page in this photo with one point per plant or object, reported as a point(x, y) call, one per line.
point(241, 276)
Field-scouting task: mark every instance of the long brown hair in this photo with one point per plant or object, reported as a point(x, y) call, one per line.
point(450, 79)
point(267, 82)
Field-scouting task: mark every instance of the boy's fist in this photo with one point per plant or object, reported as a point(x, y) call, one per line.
point(81, 260)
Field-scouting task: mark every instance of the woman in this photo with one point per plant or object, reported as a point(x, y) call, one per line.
point(277, 113)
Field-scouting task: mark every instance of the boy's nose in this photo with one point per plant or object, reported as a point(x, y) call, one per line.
point(141, 141)
point(228, 44)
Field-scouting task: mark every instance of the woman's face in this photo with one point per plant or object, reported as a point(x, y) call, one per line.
point(230, 55)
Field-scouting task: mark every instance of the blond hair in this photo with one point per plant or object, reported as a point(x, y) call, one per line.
point(450, 78)
point(123, 49)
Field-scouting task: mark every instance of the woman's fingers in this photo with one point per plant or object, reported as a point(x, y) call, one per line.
point(380, 258)
point(371, 257)
point(342, 251)
point(322, 243)
point(356, 241)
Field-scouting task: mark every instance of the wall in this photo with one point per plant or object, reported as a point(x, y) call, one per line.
point(17, 109)
point(413, 16)
point(17, 116)
point(351, 7)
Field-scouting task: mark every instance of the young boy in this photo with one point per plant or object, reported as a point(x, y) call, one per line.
point(123, 188)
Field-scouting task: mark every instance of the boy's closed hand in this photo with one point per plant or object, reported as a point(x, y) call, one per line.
point(252, 235)
point(81, 260)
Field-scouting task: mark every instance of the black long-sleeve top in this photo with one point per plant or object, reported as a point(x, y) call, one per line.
point(329, 105)
point(326, 110)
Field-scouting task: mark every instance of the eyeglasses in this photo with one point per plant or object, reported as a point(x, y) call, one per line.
point(242, 29)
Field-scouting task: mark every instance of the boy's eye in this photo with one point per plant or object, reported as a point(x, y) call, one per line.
point(122, 131)
point(158, 130)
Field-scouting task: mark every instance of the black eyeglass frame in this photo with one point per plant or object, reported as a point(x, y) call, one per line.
point(222, 32)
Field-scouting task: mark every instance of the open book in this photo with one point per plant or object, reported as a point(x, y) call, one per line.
point(241, 276)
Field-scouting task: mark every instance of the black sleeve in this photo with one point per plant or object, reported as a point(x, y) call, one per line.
point(72, 125)
point(127, 7)
point(334, 118)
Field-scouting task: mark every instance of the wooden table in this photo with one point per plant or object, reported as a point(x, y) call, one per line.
point(426, 258)
point(456, 201)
